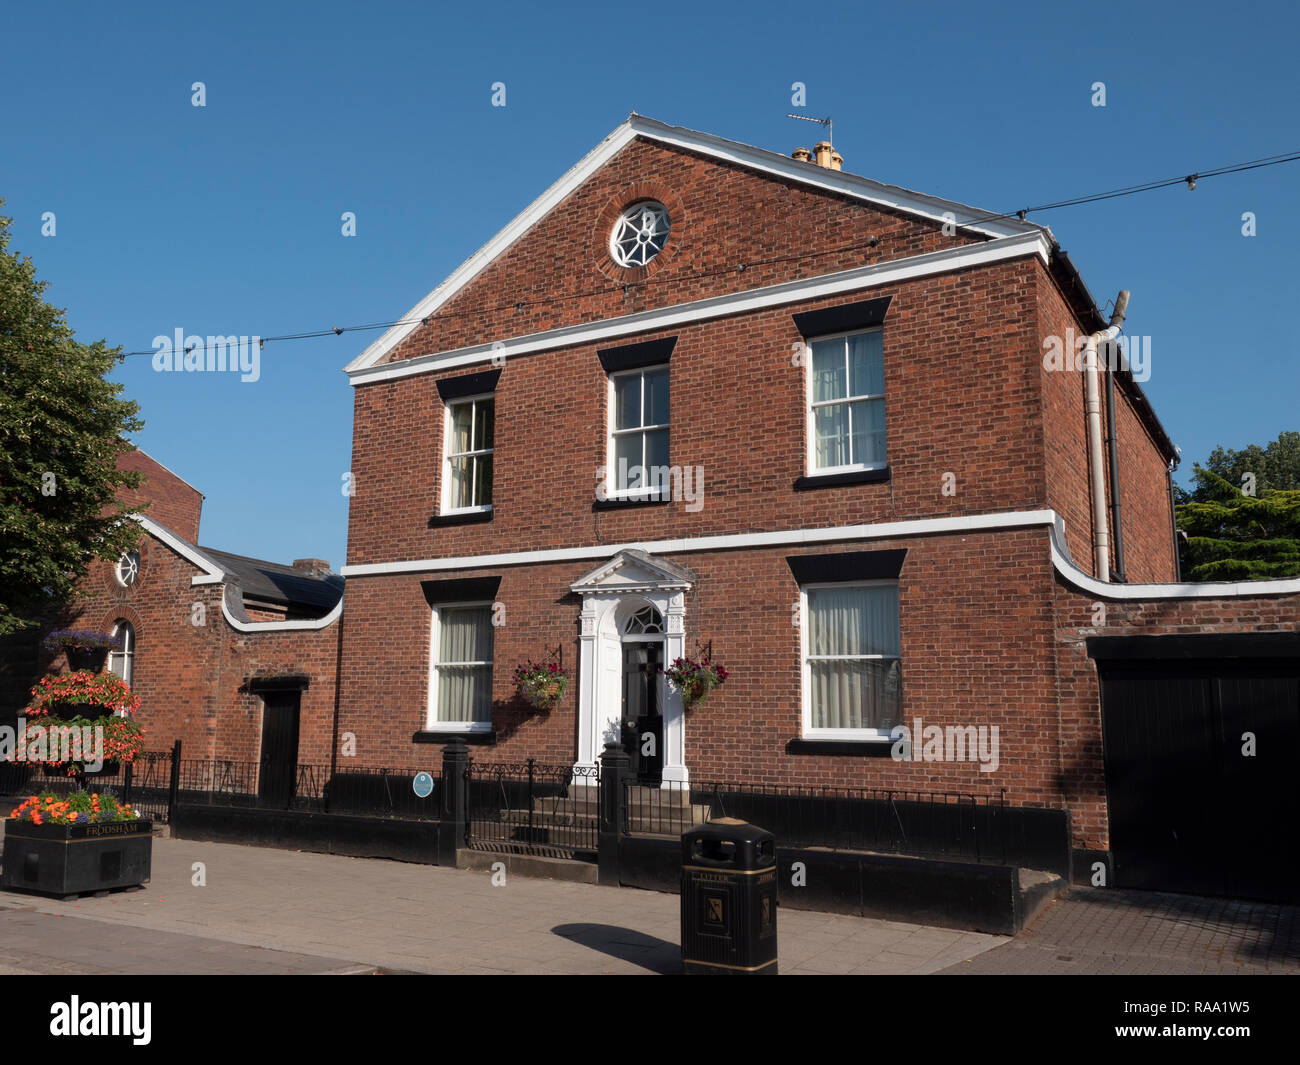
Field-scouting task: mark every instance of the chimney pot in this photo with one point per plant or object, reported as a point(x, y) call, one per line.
point(837, 161)
point(803, 155)
point(823, 150)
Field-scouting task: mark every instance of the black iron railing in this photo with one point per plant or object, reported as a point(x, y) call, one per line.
point(529, 807)
point(961, 826)
point(357, 790)
point(143, 783)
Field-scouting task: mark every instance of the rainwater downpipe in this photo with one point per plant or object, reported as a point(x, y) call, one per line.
point(1116, 504)
point(1101, 536)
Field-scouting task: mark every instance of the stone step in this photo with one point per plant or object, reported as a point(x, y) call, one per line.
point(666, 821)
point(530, 865)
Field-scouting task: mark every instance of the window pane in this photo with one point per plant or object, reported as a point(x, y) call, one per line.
point(832, 428)
point(458, 493)
point(656, 453)
point(869, 432)
point(656, 397)
point(828, 370)
point(627, 401)
point(465, 634)
point(483, 481)
point(627, 462)
point(853, 621)
point(867, 364)
point(465, 693)
point(461, 415)
point(484, 416)
point(856, 694)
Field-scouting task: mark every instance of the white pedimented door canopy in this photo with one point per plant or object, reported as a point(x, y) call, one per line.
point(612, 593)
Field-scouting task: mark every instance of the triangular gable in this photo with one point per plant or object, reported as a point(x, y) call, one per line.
point(212, 572)
point(633, 571)
point(873, 193)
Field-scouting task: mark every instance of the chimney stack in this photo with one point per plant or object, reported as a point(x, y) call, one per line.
point(803, 155)
point(313, 567)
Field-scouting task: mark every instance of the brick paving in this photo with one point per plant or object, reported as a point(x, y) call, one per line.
point(297, 912)
point(1143, 932)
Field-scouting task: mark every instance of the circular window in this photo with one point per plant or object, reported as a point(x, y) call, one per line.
point(639, 234)
point(128, 568)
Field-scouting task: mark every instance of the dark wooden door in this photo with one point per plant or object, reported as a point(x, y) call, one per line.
point(643, 718)
point(279, 768)
point(1203, 798)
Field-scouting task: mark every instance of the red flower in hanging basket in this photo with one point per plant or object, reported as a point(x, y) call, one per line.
point(541, 684)
point(694, 680)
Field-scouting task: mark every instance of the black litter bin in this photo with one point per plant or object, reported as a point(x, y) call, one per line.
point(729, 899)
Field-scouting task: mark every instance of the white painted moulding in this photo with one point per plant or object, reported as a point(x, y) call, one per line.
point(212, 574)
point(1060, 555)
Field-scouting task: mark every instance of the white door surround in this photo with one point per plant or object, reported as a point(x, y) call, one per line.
point(611, 594)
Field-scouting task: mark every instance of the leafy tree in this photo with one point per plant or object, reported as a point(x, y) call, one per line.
point(62, 427)
point(1233, 536)
point(1276, 465)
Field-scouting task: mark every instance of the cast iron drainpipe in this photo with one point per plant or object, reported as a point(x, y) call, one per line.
point(1116, 504)
point(1100, 523)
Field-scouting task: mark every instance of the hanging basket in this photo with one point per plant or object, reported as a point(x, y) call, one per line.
point(542, 696)
point(89, 658)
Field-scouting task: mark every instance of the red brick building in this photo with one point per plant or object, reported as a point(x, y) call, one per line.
point(234, 656)
point(878, 501)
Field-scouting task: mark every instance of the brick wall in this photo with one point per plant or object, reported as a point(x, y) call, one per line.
point(722, 219)
point(979, 653)
point(173, 503)
point(962, 397)
point(1148, 533)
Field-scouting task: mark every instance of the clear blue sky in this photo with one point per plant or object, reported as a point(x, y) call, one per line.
point(225, 219)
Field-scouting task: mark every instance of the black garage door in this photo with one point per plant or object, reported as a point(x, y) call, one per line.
point(1201, 739)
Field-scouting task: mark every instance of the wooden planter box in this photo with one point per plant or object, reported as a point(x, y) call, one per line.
point(61, 860)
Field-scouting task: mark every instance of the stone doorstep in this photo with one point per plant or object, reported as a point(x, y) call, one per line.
point(529, 865)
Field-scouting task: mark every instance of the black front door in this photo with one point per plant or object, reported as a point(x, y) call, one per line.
point(279, 767)
point(643, 716)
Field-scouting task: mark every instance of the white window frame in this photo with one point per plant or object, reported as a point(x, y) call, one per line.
point(431, 722)
point(117, 569)
point(444, 506)
point(127, 654)
point(611, 461)
point(810, 407)
point(847, 735)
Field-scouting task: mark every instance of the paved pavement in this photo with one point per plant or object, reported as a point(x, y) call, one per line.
point(1115, 932)
point(272, 911)
point(262, 910)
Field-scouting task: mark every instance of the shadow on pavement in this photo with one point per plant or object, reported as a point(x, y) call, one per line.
point(649, 952)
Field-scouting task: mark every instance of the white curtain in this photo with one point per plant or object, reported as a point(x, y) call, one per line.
point(848, 692)
point(465, 691)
